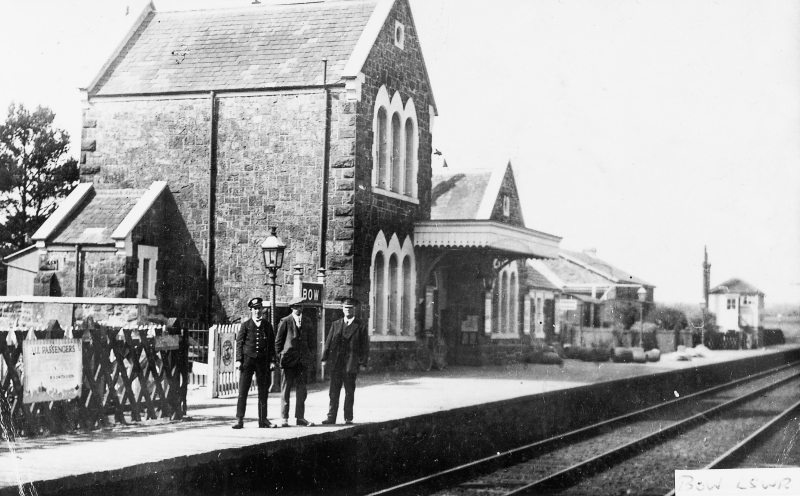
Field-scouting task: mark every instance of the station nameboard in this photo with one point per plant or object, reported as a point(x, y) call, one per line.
point(312, 293)
point(568, 304)
point(53, 369)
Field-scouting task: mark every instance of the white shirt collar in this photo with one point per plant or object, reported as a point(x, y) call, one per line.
point(350, 320)
point(298, 319)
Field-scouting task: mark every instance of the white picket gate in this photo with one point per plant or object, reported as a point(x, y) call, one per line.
point(222, 361)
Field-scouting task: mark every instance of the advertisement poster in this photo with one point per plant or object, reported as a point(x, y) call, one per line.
point(227, 350)
point(52, 369)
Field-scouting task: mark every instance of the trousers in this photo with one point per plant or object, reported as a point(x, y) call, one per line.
point(249, 366)
point(294, 377)
point(339, 379)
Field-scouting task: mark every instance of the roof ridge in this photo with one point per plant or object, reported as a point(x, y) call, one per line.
point(119, 192)
point(276, 6)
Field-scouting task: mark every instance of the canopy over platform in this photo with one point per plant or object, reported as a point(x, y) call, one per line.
point(487, 235)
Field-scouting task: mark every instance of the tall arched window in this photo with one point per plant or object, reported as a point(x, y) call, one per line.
point(383, 148)
point(407, 302)
point(380, 294)
point(496, 317)
point(410, 159)
point(513, 298)
point(392, 289)
point(507, 303)
point(504, 303)
point(395, 146)
point(397, 155)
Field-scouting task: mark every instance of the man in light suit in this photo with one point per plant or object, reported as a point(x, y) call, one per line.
point(255, 352)
point(346, 352)
point(294, 341)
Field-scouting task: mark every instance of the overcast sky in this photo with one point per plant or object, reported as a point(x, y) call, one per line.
point(643, 129)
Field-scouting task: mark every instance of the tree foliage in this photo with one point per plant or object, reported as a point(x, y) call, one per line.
point(35, 172)
point(629, 315)
point(669, 318)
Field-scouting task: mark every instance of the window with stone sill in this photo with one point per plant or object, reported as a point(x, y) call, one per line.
point(393, 279)
point(396, 145)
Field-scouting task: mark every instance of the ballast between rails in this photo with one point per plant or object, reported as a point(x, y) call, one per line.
point(443, 478)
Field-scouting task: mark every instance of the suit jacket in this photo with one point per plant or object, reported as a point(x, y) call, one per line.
point(347, 347)
point(257, 341)
point(290, 337)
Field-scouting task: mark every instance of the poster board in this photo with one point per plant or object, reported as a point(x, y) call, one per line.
point(567, 305)
point(53, 369)
point(227, 352)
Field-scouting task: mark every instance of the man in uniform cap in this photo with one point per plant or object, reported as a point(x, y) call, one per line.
point(255, 352)
point(294, 340)
point(346, 352)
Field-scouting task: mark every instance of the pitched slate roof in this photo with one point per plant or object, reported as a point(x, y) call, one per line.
point(458, 195)
point(97, 217)
point(246, 48)
point(572, 273)
point(536, 279)
point(736, 285)
point(605, 268)
point(578, 271)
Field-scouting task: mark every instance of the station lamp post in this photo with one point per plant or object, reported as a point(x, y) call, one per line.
point(642, 294)
point(272, 251)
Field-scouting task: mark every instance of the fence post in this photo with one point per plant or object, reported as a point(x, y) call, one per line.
point(212, 368)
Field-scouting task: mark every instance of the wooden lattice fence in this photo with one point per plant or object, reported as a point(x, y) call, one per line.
point(128, 375)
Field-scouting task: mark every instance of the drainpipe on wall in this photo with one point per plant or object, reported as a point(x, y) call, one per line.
point(323, 223)
point(212, 206)
point(78, 266)
point(323, 220)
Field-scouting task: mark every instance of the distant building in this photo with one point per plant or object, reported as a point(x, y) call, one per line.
point(737, 304)
point(602, 290)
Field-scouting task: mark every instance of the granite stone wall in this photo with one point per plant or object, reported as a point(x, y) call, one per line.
point(270, 151)
point(105, 274)
point(403, 71)
point(101, 274)
point(130, 144)
point(508, 188)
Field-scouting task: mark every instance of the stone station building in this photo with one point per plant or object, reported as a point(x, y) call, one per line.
point(316, 119)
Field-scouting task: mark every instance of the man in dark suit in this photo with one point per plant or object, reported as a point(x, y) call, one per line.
point(294, 341)
point(255, 352)
point(346, 352)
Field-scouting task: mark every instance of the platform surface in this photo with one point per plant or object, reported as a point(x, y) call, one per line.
point(379, 398)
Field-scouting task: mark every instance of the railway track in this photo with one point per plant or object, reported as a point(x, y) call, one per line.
point(634, 453)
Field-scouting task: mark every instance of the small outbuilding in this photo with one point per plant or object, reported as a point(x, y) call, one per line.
point(737, 304)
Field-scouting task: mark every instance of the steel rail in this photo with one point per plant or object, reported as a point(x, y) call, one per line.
point(727, 459)
point(582, 470)
point(441, 479)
